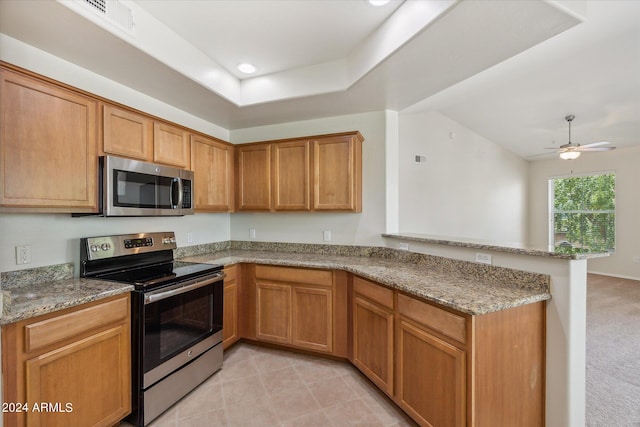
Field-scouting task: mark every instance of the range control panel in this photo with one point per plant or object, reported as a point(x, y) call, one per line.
point(126, 244)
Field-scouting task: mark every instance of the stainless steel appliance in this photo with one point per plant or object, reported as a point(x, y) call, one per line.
point(176, 315)
point(134, 188)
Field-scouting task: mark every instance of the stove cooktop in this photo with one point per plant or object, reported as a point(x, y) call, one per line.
point(161, 274)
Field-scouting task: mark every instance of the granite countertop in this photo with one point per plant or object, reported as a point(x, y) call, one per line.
point(513, 248)
point(485, 290)
point(468, 287)
point(23, 302)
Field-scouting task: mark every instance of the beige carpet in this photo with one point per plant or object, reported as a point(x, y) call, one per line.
point(613, 352)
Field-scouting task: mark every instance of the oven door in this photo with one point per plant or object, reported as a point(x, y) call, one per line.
point(180, 323)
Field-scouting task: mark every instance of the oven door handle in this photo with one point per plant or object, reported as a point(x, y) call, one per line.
point(159, 295)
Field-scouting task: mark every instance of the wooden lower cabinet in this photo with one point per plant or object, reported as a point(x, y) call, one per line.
point(431, 377)
point(312, 318)
point(373, 331)
point(454, 369)
point(273, 303)
point(294, 306)
point(76, 362)
point(230, 331)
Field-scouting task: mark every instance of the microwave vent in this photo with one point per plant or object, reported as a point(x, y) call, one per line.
point(112, 11)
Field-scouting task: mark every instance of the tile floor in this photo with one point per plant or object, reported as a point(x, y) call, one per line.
point(260, 387)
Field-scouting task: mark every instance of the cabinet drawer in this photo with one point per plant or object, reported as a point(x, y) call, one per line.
point(435, 318)
point(295, 275)
point(232, 273)
point(59, 328)
point(374, 292)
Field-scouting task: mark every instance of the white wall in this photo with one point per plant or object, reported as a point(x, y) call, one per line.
point(625, 162)
point(54, 237)
point(346, 228)
point(468, 187)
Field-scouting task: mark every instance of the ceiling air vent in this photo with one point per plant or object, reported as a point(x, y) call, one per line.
point(113, 11)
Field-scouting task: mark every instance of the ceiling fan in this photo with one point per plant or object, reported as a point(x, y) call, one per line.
point(571, 151)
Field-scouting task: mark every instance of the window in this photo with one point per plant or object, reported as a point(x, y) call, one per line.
point(583, 212)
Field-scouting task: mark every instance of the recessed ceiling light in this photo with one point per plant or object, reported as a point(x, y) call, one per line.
point(247, 68)
point(378, 2)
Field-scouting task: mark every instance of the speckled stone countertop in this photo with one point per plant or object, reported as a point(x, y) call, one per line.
point(467, 287)
point(490, 246)
point(43, 290)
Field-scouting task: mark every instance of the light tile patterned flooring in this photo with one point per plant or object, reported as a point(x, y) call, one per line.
point(261, 387)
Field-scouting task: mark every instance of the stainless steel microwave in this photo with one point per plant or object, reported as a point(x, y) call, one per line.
point(135, 188)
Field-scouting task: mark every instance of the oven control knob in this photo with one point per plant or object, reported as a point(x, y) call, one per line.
point(190, 354)
point(105, 246)
point(94, 248)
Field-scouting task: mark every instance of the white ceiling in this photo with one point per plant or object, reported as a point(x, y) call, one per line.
point(509, 70)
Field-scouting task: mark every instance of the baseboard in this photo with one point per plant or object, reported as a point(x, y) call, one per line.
point(618, 276)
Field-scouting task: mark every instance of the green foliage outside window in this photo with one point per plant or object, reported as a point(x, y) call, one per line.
point(584, 214)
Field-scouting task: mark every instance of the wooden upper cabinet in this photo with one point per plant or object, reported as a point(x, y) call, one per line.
point(291, 176)
point(171, 145)
point(337, 167)
point(254, 177)
point(322, 173)
point(48, 146)
point(212, 163)
point(126, 133)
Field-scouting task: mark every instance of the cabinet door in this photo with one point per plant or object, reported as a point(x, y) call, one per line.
point(273, 312)
point(212, 163)
point(291, 176)
point(91, 375)
point(373, 342)
point(48, 146)
point(254, 177)
point(171, 145)
point(312, 318)
point(230, 318)
point(337, 174)
point(230, 307)
point(126, 133)
point(431, 378)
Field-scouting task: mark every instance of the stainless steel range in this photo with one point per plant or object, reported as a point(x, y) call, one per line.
point(176, 315)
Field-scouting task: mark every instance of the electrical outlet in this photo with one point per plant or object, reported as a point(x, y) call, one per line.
point(636, 259)
point(23, 254)
point(483, 258)
point(326, 235)
point(252, 233)
point(189, 237)
point(403, 246)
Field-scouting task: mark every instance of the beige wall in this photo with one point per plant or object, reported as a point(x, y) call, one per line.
point(625, 162)
point(469, 187)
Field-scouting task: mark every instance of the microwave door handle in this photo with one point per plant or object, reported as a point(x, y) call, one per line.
point(176, 193)
point(180, 193)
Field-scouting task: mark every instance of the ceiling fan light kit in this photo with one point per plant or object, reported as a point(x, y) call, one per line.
point(571, 151)
point(569, 155)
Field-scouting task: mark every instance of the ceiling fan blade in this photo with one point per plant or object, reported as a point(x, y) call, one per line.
point(541, 154)
point(585, 148)
point(595, 144)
